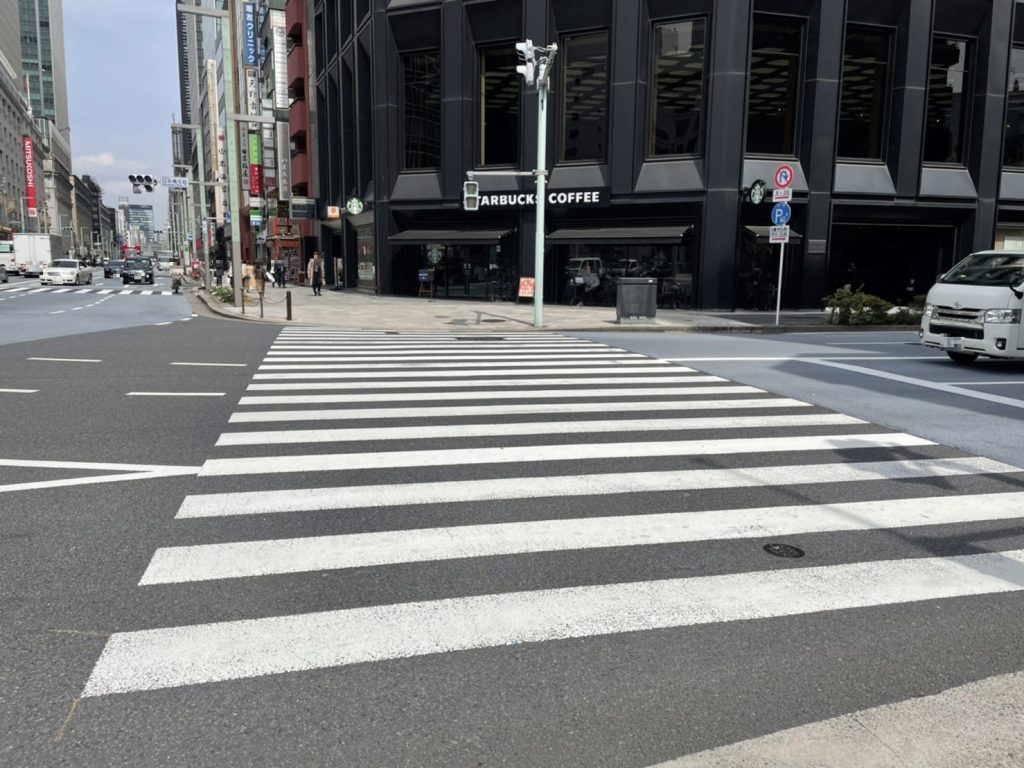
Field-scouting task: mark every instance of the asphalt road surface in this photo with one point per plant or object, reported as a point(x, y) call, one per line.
point(329, 548)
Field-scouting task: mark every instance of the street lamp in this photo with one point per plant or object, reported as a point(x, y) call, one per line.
point(200, 154)
point(234, 188)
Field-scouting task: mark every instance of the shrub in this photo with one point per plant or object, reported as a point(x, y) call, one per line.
point(851, 307)
point(224, 293)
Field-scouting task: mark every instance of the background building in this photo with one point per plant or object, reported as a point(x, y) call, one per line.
point(140, 224)
point(898, 118)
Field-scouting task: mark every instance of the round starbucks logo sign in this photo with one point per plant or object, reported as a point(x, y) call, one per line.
point(354, 205)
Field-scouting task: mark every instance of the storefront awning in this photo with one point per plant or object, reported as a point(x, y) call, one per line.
point(623, 235)
point(762, 233)
point(461, 236)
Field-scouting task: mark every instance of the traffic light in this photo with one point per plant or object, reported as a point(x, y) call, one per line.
point(529, 58)
point(471, 195)
point(140, 181)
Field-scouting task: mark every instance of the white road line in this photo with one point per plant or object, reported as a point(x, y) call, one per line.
point(809, 358)
point(40, 290)
point(145, 293)
point(661, 407)
point(280, 437)
point(463, 364)
point(983, 383)
point(652, 374)
point(871, 343)
point(539, 394)
point(176, 394)
point(432, 346)
point(339, 462)
point(62, 290)
point(168, 322)
point(106, 290)
point(173, 565)
point(84, 290)
point(97, 465)
point(175, 656)
point(444, 354)
point(948, 388)
point(19, 391)
point(572, 486)
point(65, 359)
point(93, 480)
point(75, 309)
point(213, 365)
point(308, 386)
point(58, 312)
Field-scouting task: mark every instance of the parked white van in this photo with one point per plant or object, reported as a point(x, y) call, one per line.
point(975, 308)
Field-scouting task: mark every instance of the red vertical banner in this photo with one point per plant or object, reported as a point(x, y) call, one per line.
point(30, 177)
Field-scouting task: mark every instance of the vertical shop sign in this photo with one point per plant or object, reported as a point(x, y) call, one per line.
point(30, 178)
point(249, 24)
point(280, 43)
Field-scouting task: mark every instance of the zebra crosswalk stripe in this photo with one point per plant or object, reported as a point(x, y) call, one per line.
point(412, 387)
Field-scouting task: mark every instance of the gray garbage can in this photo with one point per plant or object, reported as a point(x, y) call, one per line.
point(636, 299)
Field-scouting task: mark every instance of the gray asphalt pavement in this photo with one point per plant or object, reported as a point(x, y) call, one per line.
point(346, 652)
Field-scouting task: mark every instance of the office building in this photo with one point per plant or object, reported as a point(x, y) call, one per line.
point(903, 133)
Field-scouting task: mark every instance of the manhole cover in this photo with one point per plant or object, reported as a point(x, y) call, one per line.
point(783, 550)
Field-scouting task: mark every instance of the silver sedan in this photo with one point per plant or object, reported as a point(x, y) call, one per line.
point(66, 272)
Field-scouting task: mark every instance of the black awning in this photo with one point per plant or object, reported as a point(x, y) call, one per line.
point(762, 233)
point(464, 236)
point(623, 235)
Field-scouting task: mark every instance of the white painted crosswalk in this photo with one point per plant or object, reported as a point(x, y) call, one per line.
point(451, 450)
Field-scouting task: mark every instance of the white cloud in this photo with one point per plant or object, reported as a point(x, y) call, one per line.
point(102, 160)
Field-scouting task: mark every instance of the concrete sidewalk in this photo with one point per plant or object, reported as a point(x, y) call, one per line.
point(361, 311)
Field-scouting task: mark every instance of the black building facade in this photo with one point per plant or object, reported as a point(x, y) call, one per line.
point(902, 119)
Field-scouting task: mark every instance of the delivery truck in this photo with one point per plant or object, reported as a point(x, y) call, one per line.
point(33, 251)
point(975, 309)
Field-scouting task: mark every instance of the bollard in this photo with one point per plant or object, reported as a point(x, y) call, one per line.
point(288, 305)
point(261, 304)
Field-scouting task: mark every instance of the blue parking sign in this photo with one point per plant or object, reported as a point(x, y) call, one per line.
point(781, 213)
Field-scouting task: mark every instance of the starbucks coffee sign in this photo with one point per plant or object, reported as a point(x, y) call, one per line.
point(570, 198)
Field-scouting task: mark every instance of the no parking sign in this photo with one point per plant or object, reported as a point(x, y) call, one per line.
point(783, 176)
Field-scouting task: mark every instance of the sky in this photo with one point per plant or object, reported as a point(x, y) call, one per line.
point(122, 75)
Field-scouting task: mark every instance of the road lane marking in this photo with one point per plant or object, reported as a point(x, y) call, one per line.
point(651, 374)
point(338, 462)
point(463, 364)
point(19, 391)
point(221, 365)
point(947, 388)
point(65, 359)
point(572, 486)
point(168, 322)
point(982, 383)
point(661, 406)
point(188, 655)
point(175, 394)
point(509, 358)
point(306, 386)
point(541, 394)
point(275, 437)
point(784, 358)
point(58, 312)
point(205, 562)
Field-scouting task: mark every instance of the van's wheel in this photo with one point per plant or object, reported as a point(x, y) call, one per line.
point(962, 358)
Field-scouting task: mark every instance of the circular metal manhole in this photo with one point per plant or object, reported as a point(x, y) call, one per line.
point(783, 550)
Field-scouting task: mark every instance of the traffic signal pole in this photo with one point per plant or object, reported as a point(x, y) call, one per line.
point(542, 178)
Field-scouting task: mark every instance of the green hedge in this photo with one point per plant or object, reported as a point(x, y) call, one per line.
point(850, 307)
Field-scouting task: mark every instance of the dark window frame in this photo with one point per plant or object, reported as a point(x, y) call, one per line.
point(478, 107)
point(801, 77)
point(887, 107)
point(967, 114)
point(560, 91)
point(1013, 168)
point(406, 168)
point(649, 155)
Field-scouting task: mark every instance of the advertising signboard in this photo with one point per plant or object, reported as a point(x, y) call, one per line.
point(32, 203)
point(280, 43)
point(255, 165)
point(249, 32)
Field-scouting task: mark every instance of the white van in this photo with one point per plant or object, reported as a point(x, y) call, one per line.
point(975, 308)
point(7, 258)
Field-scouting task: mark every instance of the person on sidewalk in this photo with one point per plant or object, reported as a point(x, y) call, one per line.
point(315, 273)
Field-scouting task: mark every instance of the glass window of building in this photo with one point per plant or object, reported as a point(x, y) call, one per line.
point(677, 87)
point(865, 93)
point(499, 105)
point(585, 96)
point(421, 116)
point(947, 102)
point(774, 90)
point(1013, 141)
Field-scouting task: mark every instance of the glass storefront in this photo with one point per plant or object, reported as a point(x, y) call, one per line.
point(586, 272)
point(457, 271)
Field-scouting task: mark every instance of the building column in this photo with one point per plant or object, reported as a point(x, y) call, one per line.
point(723, 151)
point(910, 93)
point(825, 34)
point(985, 154)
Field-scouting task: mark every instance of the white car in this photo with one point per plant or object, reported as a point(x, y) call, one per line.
point(66, 272)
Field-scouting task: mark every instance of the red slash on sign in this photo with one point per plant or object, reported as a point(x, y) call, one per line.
point(783, 176)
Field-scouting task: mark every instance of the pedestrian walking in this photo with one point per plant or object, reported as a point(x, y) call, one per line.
point(280, 274)
point(315, 273)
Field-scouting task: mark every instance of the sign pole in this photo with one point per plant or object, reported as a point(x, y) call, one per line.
point(778, 283)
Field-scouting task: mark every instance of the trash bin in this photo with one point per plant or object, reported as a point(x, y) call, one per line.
point(636, 299)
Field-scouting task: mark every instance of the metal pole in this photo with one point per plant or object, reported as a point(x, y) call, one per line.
point(778, 283)
point(234, 188)
point(202, 205)
point(538, 242)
